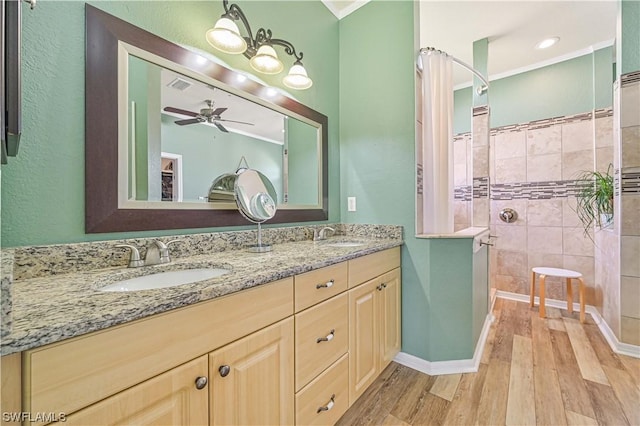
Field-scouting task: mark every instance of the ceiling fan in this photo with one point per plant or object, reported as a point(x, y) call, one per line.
point(206, 115)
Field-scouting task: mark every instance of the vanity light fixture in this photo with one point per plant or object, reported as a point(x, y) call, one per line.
point(547, 42)
point(225, 36)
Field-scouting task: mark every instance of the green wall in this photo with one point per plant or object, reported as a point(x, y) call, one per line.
point(571, 87)
point(43, 188)
point(629, 52)
point(377, 149)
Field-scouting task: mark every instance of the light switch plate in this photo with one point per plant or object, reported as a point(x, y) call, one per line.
point(351, 204)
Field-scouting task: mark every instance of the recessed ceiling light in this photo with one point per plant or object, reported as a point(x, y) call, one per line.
point(547, 42)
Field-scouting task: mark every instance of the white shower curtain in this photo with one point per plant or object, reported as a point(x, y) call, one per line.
point(437, 142)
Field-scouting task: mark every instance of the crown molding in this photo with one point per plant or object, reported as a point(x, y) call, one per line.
point(342, 12)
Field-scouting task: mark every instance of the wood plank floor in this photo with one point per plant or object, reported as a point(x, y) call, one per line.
point(552, 371)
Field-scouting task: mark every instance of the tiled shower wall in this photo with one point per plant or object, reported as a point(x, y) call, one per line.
point(627, 216)
point(532, 169)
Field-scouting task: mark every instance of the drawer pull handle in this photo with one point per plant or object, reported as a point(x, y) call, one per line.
point(384, 285)
point(328, 338)
point(325, 285)
point(379, 287)
point(201, 382)
point(224, 370)
point(329, 406)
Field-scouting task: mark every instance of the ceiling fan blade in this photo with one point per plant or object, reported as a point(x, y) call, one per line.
point(181, 111)
point(221, 127)
point(188, 121)
point(218, 111)
point(233, 121)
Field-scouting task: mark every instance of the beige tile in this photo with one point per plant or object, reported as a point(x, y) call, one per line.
point(518, 285)
point(460, 152)
point(604, 159)
point(547, 140)
point(582, 264)
point(575, 242)
point(460, 174)
point(510, 145)
point(480, 212)
point(577, 136)
point(544, 212)
point(513, 263)
point(461, 212)
point(630, 256)
point(544, 167)
point(569, 215)
point(576, 162)
point(520, 206)
point(492, 158)
point(480, 161)
point(511, 170)
point(630, 215)
point(630, 296)
point(631, 146)
point(604, 132)
point(630, 330)
point(544, 260)
point(510, 237)
point(544, 239)
point(481, 130)
point(630, 105)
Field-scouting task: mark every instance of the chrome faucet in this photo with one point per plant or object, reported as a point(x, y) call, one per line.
point(157, 253)
point(321, 235)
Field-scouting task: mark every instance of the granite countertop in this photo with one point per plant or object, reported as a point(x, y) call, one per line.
point(53, 308)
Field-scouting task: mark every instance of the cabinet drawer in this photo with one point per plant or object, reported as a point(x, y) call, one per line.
point(368, 267)
point(70, 375)
point(328, 320)
point(333, 382)
point(315, 286)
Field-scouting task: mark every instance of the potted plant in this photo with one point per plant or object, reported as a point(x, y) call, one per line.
point(595, 199)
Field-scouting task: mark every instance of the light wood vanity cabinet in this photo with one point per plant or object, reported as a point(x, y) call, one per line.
point(172, 398)
point(374, 321)
point(298, 350)
point(252, 379)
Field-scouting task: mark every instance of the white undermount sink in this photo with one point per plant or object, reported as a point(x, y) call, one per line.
point(344, 244)
point(166, 279)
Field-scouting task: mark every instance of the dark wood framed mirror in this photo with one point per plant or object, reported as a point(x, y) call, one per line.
point(109, 207)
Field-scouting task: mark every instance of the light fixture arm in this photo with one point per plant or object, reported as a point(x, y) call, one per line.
point(263, 36)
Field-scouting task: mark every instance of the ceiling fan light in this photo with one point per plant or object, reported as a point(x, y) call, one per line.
point(297, 78)
point(266, 60)
point(225, 36)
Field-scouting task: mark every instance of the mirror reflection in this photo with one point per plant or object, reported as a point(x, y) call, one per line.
point(183, 133)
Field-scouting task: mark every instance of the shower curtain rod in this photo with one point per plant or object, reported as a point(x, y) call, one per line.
point(457, 61)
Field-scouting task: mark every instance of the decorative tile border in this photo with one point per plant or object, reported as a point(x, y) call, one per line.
point(535, 190)
point(462, 193)
point(481, 110)
point(548, 122)
point(630, 183)
point(481, 187)
point(630, 78)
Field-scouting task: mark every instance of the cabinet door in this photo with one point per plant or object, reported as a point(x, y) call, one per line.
point(389, 317)
point(171, 398)
point(252, 379)
point(364, 340)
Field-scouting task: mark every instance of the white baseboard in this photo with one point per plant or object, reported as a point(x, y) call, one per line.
point(437, 368)
point(616, 345)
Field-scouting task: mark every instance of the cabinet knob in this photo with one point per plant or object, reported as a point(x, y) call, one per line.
point(384, 285)
point(201, 382)
point(224, 370)
point(328, 338)
point(379, 287)
point(325, 285)
point(329, 405)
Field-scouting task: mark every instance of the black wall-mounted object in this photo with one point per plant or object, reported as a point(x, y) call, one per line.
point(11, 87)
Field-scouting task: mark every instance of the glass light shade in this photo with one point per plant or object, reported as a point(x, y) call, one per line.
point(297, 78)
point(225, 36)
point(266, 60)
